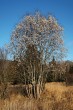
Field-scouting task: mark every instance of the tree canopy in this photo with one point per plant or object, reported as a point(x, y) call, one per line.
point(43, 32)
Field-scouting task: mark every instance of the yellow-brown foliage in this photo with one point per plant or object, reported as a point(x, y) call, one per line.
point(56, 96)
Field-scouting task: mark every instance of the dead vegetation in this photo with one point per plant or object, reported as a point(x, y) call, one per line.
point(56, 96)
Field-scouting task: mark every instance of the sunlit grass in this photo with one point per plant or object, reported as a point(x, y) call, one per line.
point(56, 96)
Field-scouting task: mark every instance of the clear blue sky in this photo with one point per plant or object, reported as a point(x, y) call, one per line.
point(12, 11)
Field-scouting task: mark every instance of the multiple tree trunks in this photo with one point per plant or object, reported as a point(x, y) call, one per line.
point(26, 90)
point(33, 82)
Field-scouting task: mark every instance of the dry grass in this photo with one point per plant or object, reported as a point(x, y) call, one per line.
point(56, 96)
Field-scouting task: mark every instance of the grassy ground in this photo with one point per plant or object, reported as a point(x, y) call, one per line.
point(56, 96)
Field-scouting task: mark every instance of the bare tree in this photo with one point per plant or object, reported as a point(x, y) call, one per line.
point(3, 58)
point(57, 71)
point(45, 34)
point(3, 66)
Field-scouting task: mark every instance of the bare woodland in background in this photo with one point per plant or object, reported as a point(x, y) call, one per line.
point(37, 50)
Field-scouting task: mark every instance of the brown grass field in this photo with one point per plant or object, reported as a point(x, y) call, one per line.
point(56, 96)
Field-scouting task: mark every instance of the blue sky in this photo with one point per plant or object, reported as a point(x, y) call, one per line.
point(12, 11)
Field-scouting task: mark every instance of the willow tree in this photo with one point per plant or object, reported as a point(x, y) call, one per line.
point(46, 35)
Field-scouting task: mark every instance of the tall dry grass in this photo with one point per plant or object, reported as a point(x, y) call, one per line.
point(56, 96)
